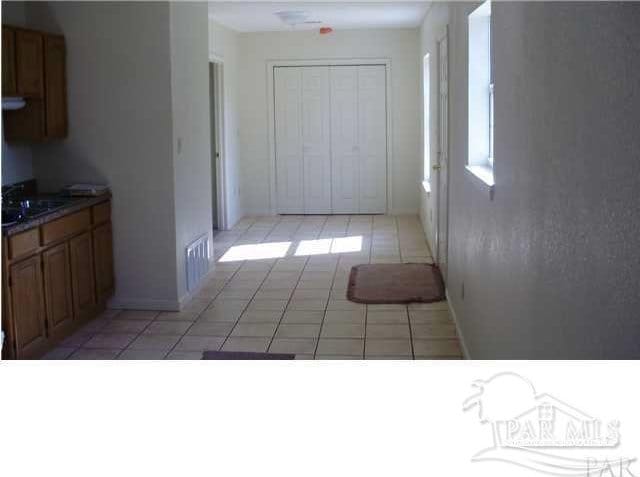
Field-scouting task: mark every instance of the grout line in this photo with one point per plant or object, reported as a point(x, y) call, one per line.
point(326, 306)
point(293, 291)
point(257, 289)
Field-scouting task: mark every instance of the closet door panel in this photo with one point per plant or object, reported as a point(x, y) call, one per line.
point(316, 140)
point(372, 139)
point(289, 155)
point(344, 139)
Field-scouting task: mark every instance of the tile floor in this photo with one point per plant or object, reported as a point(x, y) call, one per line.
point(279, 286)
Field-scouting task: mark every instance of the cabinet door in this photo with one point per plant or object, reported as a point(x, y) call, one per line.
point(82, 276)
point(25, 124)
point(8, 62)
point(55, 86)
point(57, 290)
point(28, 307)
point(29, 64)
point(103, 253)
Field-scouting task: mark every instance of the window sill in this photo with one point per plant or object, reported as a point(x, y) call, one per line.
point(482, 176)
point(426, 185)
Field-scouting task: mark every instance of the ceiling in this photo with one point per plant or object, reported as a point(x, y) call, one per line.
point(259, 16)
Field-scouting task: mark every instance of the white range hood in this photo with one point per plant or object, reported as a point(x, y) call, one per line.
point(9, 104)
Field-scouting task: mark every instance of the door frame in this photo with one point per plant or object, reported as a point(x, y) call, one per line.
point(271, 108)
point(442, 34)
point(220, 143)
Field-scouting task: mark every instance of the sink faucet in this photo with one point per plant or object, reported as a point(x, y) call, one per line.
point(6, 193)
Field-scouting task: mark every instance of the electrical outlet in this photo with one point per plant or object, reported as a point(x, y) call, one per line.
point(462, 292)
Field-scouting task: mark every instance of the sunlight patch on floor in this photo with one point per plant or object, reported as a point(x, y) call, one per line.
point(257, 251)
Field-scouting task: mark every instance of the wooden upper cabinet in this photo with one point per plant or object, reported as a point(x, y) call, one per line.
point(29, 63)
point(82, 276)
point(57, 290)
point(8, 62)
point(27, 305)
point(55, 86)
point(34, 67)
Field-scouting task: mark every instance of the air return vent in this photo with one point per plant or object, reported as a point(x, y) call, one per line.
point(198, 254)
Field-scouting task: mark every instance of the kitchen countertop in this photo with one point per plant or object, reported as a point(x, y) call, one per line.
point(74, 204)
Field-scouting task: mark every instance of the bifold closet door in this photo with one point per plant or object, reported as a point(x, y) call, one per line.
point(359, 139)
point(344, 139)
point(316, 140)
point(289, 164)
point(372, 139)
point(303, 140)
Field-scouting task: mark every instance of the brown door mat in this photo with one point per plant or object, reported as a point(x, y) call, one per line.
point(391, 283)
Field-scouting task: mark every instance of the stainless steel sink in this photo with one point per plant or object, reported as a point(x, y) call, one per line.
point(11, 216)
point(17, 211)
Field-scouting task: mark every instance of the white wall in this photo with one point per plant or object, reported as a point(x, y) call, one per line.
point(17, 163)
point(120, 133)
point(401, 46)
point(191, 129)
point(223, 46)
point(549, 266)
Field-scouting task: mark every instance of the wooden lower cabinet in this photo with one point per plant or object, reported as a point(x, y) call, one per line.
point(103, 258)
point(27, 308)
point(83, 282)
point(55, 278)
point(57, 290)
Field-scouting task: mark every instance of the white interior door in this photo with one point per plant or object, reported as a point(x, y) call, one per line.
point(372, 139)
point(316, 140)
point(345, 154)
point(442, 201)
point(288, 120)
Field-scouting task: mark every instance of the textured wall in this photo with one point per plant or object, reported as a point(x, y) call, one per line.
point(550, 266)
point(191, 127)
point(120, 133)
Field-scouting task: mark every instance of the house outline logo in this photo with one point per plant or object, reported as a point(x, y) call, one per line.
point(541, 432)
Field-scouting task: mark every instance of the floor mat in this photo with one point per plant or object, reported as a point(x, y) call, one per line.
point(395, 283)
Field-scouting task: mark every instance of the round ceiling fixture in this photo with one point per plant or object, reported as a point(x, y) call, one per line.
point(295, 17)
point(292, 17)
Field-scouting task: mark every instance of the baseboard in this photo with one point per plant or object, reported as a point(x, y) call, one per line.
point(411, 211)
point(452, 312)
point(188, 296)
point(153, 305)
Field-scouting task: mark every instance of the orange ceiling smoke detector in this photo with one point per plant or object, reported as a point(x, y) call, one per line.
point(325, 30)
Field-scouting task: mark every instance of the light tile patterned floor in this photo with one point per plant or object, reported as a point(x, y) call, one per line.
point(279, 286)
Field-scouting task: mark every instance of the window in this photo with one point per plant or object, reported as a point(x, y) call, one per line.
point(481, 94)
point(426, 93)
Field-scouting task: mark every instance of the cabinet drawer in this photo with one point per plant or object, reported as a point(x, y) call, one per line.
point(23, 243)
point(66, 226)
point(101, 213)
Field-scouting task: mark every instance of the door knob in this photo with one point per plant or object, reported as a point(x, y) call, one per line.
point(436, 167)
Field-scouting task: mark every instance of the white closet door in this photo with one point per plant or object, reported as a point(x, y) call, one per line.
point(316, 140)
point(289, 163)
point(372, 138)
point(344, 139)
